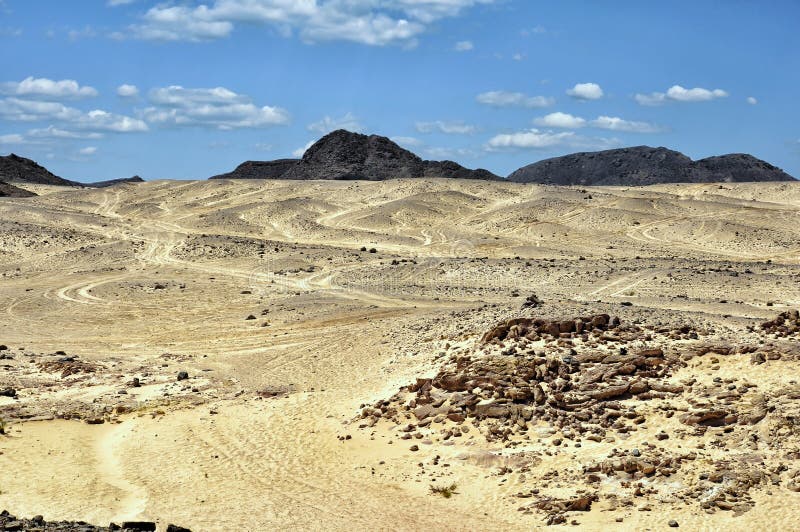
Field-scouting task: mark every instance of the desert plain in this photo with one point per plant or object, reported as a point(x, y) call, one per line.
point(287, 355)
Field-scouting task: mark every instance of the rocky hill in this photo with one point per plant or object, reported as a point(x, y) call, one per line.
point(344, 155)
point(112, 182)
point(10, 191)
point(643, 165)
point(260, 169)
point(14, 168)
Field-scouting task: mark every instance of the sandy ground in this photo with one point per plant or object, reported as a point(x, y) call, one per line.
point(292, 305)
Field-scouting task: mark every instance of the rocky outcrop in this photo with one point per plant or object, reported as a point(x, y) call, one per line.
point(643, 165)
point(14, 168)
point(343, 155)
point(10, 191)
point(112, 182)
point(260, 170)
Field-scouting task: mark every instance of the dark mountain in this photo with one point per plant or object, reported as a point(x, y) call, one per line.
point(260, 169)
point(643, 165)
point(738, 167)
point(112, 182)
point(14, 168)
point(344, 155)
point(10, 191)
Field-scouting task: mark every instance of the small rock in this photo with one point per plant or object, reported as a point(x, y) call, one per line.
point(143, 526)
point(673, 523)
point(183, 375)
point(414, 448)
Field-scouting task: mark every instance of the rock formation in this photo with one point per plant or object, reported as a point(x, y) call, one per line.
point(643, 165)
point(112, 182)
point(10, 191)
point(14, 168)
point(343, 155)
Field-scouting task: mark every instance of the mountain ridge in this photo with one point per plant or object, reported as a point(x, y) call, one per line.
point(645, 165)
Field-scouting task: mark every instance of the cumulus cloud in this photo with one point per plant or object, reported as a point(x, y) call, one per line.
point(677, 93)
point(532, 138)
point(327, 124)
point(128, 91)
point(513, 99)
point(371, 22)
point(88, 150)
point(48, 89)
point(560, 120)
point(538, 139)
point(615, 123)
point(463, 46)
point(752, 100)
point(15, 109)
point(451, 128)
point(217, 107)
point(586, 91)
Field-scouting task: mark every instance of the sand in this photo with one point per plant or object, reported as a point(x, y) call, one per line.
point(146, 280)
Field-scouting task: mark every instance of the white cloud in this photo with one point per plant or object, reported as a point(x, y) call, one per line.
point(586, 91)
point(18, 110)
point(128, 91)
point(439, 153)
point(560, 120)
point(537, 139)
point(300, 151)
point(88, 150)
point(52, 132)
point(12, 138)
point(463, 46)
point(327, 124)
point(43, 88)
point(451, 128)
point(618, 124)
point(513, 99)
point(752, 100)
point(411, 142)
point(532, 138)
point(677, 93)
point(371, 22)
point(216, 107)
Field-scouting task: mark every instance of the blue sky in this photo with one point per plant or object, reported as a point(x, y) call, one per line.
point(101, 89)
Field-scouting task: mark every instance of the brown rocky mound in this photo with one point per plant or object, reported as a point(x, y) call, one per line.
point(595, 379)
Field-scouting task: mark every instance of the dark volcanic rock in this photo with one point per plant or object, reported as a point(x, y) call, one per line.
point(643, 165)
point(112, 182)
point(738, 167)
point(10, 191)
point(260, 169)
point(15, 168)
point(343, 155)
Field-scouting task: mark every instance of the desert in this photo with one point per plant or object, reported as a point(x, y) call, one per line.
point(399, 265)
point(260, 354)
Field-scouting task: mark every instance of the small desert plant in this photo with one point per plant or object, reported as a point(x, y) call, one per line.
point(445, 491)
